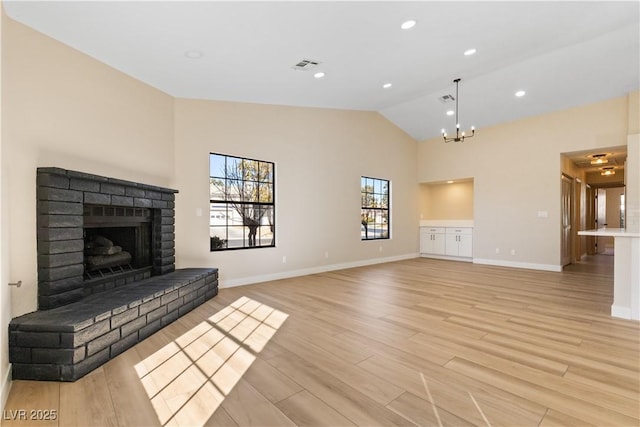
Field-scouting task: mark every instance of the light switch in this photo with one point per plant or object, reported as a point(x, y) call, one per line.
point(543, 214)
point(198, 211)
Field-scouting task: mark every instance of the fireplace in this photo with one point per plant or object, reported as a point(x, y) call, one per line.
point(106, 275)
point(97, 233)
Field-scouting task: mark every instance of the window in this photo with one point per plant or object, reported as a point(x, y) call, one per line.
point(242, 204)
point(374, 195)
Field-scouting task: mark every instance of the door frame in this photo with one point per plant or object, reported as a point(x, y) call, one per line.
point(567, 225)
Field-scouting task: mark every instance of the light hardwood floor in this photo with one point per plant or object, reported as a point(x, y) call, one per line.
point(415, 342)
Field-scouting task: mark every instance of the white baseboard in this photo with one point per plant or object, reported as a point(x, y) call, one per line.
point(447, 257)
point(306, 271)
point(513, 264)
point(621, 312)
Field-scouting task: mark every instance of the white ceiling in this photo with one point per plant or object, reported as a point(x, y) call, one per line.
point(563, 54)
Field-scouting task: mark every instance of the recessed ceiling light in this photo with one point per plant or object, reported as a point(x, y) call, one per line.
point(408, 24)
point(450, 113)
point(319, 75)
point(386, 85)
point(193, 54)
point(449, 182)
point(469, 52)
point(520, 93)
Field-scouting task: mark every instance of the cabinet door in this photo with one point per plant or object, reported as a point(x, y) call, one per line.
point(438, 244)
point(425, 242)
point(465, 246)
point(451, 244)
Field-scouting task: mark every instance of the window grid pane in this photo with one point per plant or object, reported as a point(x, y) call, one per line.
point(375, 218)
point(241, 203)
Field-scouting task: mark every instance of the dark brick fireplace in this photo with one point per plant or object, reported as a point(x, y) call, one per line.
point(106, 274)
point(67, 205)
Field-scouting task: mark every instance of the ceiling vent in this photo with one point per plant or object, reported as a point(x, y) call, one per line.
point(305, 64)
point(445, 99)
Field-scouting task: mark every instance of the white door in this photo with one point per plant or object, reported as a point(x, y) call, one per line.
point(601, 220)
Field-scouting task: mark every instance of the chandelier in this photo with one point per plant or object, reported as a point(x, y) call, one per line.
point(460, 136)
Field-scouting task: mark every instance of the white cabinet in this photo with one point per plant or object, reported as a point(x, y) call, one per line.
point(432, 240)
point(447, 242)
point(459, 241)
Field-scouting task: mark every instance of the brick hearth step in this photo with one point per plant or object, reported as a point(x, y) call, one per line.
point(65, 343)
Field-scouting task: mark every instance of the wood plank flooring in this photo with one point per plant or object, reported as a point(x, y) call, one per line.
point(416, 342)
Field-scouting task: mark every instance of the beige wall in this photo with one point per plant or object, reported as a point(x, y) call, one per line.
point(632, 166)
point(634, 113)
point(320, 155)
point(62, 108)
point(632, 183)
point(5, 295)
point(508, 195)
point(447, 201)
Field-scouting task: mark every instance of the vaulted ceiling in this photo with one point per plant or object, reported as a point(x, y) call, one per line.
point(562, 54)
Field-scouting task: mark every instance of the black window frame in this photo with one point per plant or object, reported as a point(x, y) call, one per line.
point(368, 205)
point(234, 201)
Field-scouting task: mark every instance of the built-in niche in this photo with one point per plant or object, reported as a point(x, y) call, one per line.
point(448, 200)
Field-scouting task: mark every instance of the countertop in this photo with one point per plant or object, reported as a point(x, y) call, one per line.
point(610, 232)
point(446, 223)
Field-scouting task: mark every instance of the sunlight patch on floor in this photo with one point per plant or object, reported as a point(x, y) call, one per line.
point(189, 378)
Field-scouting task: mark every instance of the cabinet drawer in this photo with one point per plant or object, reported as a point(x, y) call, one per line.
point(460, 230)
point(432, 230)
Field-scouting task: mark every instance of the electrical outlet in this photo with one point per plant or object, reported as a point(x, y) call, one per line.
point(497, 250)
point(284, 259)
point(326, 254)
point(380, 249)
point(513, 251)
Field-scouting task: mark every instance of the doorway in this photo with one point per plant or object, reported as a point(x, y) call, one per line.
point(586, 177)
point(610, 214)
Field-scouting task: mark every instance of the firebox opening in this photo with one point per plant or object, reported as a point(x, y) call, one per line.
point(116, 240)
